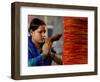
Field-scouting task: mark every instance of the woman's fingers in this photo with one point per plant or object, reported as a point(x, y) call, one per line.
point(47, 46)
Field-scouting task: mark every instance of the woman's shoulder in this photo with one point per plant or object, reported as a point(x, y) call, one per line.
point(30, 43)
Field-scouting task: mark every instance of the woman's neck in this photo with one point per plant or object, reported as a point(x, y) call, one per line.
point(38, 45)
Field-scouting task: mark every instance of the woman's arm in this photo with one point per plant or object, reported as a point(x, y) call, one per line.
point(35, 61)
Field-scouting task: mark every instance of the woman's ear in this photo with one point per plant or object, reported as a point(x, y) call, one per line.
point(31, 32)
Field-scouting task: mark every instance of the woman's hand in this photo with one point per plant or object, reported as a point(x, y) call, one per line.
point(46, 49)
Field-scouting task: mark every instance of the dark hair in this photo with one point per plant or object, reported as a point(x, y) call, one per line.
point(35, 23)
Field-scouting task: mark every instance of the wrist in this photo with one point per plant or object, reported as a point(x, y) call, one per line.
point(44, 55)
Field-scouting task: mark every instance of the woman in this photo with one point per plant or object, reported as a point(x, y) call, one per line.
point(40, 51)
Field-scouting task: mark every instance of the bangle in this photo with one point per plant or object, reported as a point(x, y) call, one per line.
point(43, 55)
point(53, 55)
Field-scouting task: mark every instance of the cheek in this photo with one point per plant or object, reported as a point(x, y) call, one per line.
point(37, 36)
point(34, 36)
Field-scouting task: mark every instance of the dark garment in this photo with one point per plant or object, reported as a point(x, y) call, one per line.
point(35, 58)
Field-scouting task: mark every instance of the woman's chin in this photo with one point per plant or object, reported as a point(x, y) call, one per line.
point(42, 42)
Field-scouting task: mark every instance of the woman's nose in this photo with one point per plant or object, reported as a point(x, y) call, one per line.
point(43, 34)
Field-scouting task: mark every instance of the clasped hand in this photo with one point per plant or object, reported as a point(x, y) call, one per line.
point(48, 44)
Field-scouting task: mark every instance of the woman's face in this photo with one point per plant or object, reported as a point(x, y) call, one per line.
point(39, 34)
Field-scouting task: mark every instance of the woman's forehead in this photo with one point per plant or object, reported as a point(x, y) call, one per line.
point(42, 27)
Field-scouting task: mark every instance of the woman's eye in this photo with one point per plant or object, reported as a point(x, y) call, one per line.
point(44, 31)
point(40, 32)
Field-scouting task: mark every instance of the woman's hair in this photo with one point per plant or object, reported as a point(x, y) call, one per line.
point(35, 23)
